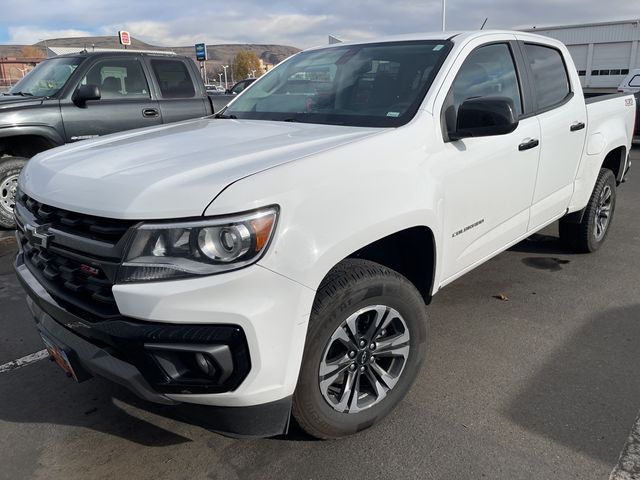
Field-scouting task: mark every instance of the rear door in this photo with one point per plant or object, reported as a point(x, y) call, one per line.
point(490, 180)
point(126, 101)
point(181, 92)
point(562, 114)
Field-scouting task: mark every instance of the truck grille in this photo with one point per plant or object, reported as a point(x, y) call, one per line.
point(71, 281)
point(98, 228)
point(78, 264)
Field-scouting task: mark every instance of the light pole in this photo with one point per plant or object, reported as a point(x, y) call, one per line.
point(226, 85)
point(444, 15)
point(220, 79)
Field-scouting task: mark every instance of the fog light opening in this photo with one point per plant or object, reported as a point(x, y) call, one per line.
point(205, 364)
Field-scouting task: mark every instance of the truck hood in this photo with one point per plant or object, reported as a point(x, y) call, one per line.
point(171, 171)
point(8, 102)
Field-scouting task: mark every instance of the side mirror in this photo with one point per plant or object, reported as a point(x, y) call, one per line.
point(484, 117)
point(84, 93)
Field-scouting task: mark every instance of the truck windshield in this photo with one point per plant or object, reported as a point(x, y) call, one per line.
point(371, 85)
point(47, 78)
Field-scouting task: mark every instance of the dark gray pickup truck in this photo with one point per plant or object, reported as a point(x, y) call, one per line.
point(74, 97)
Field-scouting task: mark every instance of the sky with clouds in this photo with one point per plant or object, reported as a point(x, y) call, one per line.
point(301, 23)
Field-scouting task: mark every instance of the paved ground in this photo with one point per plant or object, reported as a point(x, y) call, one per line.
point(544, 385)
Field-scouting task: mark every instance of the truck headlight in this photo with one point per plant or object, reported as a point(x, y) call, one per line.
point(163, 251)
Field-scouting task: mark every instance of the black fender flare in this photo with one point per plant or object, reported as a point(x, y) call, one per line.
point(49, 134)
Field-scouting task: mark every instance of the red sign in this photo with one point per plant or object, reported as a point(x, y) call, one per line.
point(125, 38)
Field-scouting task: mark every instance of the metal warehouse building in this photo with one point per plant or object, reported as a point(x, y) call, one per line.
point(603, 52)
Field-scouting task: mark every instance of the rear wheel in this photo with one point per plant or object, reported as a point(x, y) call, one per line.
point(589, 235)
point(365, 346)
point(10, 168)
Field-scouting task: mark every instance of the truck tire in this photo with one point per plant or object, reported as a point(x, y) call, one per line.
point(10, 168)
point(364, 348)
point(589, 234)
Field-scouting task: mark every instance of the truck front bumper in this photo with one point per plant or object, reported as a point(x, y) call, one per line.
point(257, 315)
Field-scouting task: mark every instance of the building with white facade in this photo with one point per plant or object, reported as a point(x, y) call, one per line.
point(603, 52)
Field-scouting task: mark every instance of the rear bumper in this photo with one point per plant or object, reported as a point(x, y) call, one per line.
point(90, 348)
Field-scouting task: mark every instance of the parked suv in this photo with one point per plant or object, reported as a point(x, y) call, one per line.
point(86, 95)
point(631, 83)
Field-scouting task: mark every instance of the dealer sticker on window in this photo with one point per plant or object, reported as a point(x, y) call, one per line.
point(393, 114)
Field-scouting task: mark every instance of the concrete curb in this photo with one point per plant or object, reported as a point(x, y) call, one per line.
point(628, 467)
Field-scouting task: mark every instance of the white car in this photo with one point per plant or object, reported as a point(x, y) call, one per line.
point(631, 83)
point(276, 260)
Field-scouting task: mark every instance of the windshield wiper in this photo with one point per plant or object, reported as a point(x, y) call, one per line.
point(226, 117)
point(22, 94)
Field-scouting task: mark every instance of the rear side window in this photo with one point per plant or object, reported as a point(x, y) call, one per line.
point(550, 79)
point(173, 78)
point(635, 81)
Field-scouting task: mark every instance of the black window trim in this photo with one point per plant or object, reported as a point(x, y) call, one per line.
point(567, 98)
point(124, 99)
point(632, 79)
point(523, 83)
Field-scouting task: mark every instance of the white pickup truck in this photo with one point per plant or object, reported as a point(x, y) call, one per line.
point(276, 260)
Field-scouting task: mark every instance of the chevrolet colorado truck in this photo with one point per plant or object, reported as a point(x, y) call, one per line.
point(85, 95)
point(275, 260)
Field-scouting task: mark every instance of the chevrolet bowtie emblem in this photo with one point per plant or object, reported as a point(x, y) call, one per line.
point(38, 236)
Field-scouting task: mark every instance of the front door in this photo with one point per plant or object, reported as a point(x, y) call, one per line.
point(490, 180)
point(125, 102)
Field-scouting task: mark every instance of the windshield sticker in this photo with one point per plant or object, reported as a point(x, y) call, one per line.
point(438, 47)
point(393, 114)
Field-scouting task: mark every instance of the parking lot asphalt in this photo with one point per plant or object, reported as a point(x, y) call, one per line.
point(532, 372)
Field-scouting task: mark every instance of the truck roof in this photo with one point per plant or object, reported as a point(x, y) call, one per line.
point(119, 53)
point(444, 36)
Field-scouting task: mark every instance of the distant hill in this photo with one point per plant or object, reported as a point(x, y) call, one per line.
point(218, 54)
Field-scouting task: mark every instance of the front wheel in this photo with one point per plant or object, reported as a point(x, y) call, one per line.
point(10, 168)
point(589, 235)
point(365, 346)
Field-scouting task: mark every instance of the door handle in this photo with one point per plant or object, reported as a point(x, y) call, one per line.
point(150, 112)
point(577, 126)
point(533, 143)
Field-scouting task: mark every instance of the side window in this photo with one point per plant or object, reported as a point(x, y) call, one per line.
point(173, 78)
point(635, 81)
point(550, 79)
point(118, 79)
point(487, 72)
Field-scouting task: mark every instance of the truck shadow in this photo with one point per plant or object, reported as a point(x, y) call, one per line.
point(542, 243)
point(38, 394)
point(587, 394)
